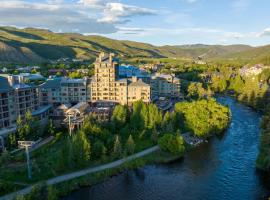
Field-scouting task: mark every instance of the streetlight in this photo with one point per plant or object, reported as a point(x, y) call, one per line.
point(27, 145)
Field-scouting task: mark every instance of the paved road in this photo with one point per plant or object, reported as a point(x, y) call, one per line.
point(84, 172)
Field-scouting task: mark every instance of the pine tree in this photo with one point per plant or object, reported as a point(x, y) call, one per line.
point(120, 116)
point(80, 149)
point(51, 129)
point(98, 149)
point(166, 120)
point(130, 145)
point(117, 148)
point(21, 128)
point(154, 136)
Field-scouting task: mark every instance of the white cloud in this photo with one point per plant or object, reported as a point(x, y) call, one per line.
point(264, 33)
point(84, 16)
point(56, 17)
point(93, 3)
point(119, 13)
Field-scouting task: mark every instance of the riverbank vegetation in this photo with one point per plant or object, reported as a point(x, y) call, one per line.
point(56, 191)
point(203, 117)
point(263, 160)
point(127, 132)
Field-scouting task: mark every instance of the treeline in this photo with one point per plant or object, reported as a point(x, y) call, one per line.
point(127, 132)
point(29, 129)
point(263, 160)
point(251, 90)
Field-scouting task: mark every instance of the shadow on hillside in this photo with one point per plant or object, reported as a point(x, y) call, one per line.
point(47, 51)
point(151, 52)
point(100, 47)
point(23, 34)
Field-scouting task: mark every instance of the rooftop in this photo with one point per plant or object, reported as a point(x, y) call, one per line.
point(4, 85)
point(138, 83)
point(51, 83)
point(41, 110)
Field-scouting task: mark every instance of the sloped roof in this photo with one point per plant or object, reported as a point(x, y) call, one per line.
point(4, 85)
point(51, 83)
point(80, 107)
point(139, 83)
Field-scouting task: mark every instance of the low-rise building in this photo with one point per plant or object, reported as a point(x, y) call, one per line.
point(58, 115)
point(75, 115)
point(165, 85)
point(138, 90)
point(252, 71)
point(128, 71)
point(58, 91)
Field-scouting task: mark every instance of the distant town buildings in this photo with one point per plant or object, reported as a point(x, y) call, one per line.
point(151, 67)
point(252, 71)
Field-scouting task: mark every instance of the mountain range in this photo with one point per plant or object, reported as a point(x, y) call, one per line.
point(31, 45)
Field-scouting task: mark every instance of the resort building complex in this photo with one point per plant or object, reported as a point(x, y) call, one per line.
point(111, 84)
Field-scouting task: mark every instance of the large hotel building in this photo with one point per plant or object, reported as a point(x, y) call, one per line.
point(107, 87)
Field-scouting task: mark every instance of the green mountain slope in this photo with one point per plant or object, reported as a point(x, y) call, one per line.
point(253, 55)
point(36, 45)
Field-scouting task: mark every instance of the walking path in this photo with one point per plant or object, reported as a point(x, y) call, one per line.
point(84, 172)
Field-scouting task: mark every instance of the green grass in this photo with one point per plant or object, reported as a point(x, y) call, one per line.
point(44, 162)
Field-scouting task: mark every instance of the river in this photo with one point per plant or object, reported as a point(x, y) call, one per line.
point(223, 168)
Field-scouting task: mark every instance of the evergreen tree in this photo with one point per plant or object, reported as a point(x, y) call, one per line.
point(81, 149)
point(130, 145)
point(117, 148)
point(50, 128)
point(21, 128)
point(98, 150)
point(119, 116)
point(137, 122)
point(154, 136)
point(166, 120)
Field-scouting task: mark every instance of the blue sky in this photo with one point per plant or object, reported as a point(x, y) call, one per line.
point(159, 22)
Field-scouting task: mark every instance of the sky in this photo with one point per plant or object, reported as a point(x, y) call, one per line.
point(159, 22)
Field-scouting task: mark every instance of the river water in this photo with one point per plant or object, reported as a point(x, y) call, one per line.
point(223, 168)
